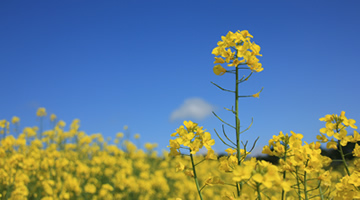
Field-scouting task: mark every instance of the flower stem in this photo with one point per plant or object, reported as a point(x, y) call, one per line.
point(320, 192)
point(343, 158)
point(258, 191)
point(284, 173)
point(298, 183)
point(237, 125)
point(195, 177)
point(237, 121)
point(305, 186)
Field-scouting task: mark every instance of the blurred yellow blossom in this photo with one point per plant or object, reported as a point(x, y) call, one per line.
point(52, 117)
point(15, 120)
point(120, 135)
point(41, 112)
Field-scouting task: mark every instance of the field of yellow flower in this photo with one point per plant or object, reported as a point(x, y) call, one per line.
point(66, 163)
point(69, 164)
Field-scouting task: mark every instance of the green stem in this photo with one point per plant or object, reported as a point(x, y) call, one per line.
point(284, 174)
point(258, 191)
point(321, 193)
point(199, 162)
point(237, 121)
point(298, 182)
point(195, 177)
point(305, 186)
point(238, 189)
point(343, 158)
point(237, 125)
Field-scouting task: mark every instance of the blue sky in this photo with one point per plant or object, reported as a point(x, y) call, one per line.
point(144, 63)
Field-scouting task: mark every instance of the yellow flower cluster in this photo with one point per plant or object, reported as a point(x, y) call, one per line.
point(237, 49)
point(69, 164)
point(191, 136)
point(336, 127)
point(302, 173)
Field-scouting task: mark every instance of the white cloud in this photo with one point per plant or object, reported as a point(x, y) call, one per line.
point(195, 108)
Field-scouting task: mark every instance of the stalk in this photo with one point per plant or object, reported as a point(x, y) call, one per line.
point(258, 191)
point(321, 193)
point(237, 125)
point(284, 174)
point(41, 128)
point(305, 186)
point(343, 158)
point(195, 177)
point(237, 116)
point(298, 183)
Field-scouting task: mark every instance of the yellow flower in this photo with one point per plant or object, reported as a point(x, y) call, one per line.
point(327, 118)
point(174, 152)
point(329, 129)
point(137, 136)
point(52, 117)
point(331, 144)
point(195, 146)
point(29, 132)
point(342, 137)
point(242, 172)
point(325, 178)
point(180, 167)
point(15, 120)
point(126, 127)
point(149, 146)
point(347, 122)
point(355, 179)
point(356, 137)
point(255, 49)
point(243, 49)
point(235, 63)
point(228, 55)
point(107, 187)
point(213, 180)
point(120, 135)
point(207, 141)
point(210, 155)
point(2, 123)
point(189, 172)
point(219, 70)
point(230, 151)
point(41, 112)
point(322, 138)
point(189, 125)
point(266, 150)
point(246, 33)
point(219, 60)
point(257, 67)
point(217, 50)
point(257, 94)
point(356, 151)
point(61, 124)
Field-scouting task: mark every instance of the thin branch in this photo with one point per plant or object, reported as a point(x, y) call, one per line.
point(242, 80)
point(242, 96)
point(223, 121)
point(222, 88)
point(252, 148)
point(223, 140)
point(200, 162)
point(233, 111)
point(252, 120)
point(227, 136)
